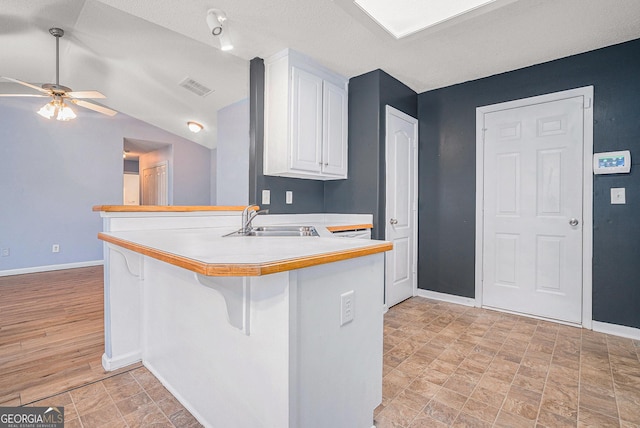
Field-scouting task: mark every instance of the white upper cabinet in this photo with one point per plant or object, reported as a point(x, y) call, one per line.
point(305, 119)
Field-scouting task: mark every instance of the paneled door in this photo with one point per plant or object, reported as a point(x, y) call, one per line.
point(155, 185)
point(401, 205)
point(533, 202)
point(306, 128)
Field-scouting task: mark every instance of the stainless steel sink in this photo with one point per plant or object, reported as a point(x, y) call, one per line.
point(280, 231)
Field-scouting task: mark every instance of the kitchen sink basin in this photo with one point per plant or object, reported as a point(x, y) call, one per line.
point(283, 231)
point(279, 231)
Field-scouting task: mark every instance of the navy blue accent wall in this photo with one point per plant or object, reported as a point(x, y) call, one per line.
point(308, 195)
point(364, 191)
point(447, 173)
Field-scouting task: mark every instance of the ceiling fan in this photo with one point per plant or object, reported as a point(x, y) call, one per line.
point(57, 106)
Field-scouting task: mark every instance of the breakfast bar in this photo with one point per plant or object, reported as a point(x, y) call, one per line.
point(246, 331)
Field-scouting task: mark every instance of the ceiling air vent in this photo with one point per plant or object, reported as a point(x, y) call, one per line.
point(193, 86)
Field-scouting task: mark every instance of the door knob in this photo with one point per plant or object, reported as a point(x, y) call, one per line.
point(393, 221)
point(573, 222)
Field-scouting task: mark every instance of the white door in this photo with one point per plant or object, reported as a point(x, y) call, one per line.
point(532, 232)
point(155, 185)
point(401, 205)
point(131, 189)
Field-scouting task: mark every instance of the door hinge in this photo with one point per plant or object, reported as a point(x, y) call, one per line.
point(587, 103)
point(484, 132)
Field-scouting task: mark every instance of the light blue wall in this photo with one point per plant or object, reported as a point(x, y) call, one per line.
point(191, 173)
point(52, 174)
point(232, 170)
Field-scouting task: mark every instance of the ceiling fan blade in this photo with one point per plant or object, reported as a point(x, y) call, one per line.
point(29, 85)
point(95, 107)
point(24, 95)
point(86, 94)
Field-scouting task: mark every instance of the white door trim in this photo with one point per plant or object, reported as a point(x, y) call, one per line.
point(414, 262)
point(587, 189)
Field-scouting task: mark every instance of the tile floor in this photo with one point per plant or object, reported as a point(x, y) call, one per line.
point(131, 399)
point(451, 365)
point(444, 365)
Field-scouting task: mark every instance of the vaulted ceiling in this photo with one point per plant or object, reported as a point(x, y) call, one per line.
point(137, 52)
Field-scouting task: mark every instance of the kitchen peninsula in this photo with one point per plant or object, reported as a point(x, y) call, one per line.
point(247, 331)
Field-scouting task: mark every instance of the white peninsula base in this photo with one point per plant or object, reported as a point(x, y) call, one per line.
point(260, 351)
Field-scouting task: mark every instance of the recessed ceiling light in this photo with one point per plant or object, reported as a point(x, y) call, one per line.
point(194, 127)
point(404, 17)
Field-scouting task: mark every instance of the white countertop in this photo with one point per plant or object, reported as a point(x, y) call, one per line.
point(205, 250)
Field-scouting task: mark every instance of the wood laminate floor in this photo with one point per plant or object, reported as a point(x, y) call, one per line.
point(51, 333)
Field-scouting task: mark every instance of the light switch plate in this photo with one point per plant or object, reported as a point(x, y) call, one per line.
point(618, 195)
point(289, 196)
point(266, 197)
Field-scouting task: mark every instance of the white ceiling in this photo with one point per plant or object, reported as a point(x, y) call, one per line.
point(136, 52)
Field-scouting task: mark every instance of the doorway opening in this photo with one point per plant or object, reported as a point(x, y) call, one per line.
point(148, 173)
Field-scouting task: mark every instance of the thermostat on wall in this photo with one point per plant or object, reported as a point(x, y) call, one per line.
point(612, 162)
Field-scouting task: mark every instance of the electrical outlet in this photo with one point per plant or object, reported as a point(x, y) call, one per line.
point(6, 252)
point(347, 307)
point(55, 248)
point(289, 196)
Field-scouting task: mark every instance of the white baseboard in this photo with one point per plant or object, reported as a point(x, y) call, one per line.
point(451, 298)
point(37, 269)
point(111, 364)
point(616, 330)
point(601, 327)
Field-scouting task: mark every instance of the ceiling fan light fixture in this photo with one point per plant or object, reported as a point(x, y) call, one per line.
point(48, 110)
point(65, 113)
point(58, 93)
point(194, 127)
point(58, 109)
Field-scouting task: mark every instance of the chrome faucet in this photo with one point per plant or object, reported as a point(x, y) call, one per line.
point(248, 214)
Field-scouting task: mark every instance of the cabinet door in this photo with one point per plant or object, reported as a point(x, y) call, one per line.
point(306, 121)
point(334, 145)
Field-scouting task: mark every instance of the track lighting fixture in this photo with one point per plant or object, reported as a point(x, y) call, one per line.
point(217, 22)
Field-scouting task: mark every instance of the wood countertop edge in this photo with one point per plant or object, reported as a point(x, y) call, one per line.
point(164, 208)
point(246, 269)
point(349, 227)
